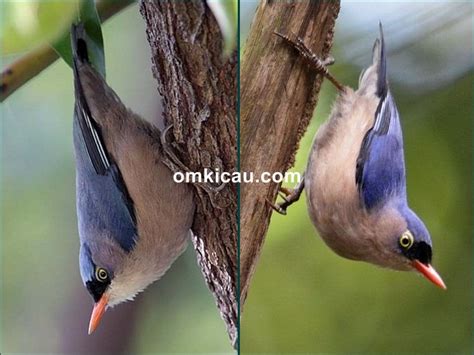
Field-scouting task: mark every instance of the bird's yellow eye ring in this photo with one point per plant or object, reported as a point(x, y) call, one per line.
point(101, 274)
point(406, 240)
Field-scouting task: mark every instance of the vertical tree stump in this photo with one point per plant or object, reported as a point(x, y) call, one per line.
point(278, 96)
point(199, 87)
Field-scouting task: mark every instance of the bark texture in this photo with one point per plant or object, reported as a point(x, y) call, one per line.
point(278, 96)
point(199, 87)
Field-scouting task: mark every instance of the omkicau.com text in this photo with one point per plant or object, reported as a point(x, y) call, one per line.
point(237, 177)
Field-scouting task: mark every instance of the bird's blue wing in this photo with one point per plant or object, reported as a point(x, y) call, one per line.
point(103, 199)
point(104, 204)
point(380, 171)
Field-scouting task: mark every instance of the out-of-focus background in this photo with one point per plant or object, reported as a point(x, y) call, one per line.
point(44, 306)
point(305, 298)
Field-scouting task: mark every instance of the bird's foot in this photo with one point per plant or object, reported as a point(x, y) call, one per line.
point(169, 153)
point(276, 207)
point(284, 191)
point(315, 62)
point(289, 197)
point(175, 164)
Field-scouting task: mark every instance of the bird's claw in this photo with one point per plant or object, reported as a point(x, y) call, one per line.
point(283, 196)
point(276, 207)
point(170, 155)
point(209, 188)
point(163, 135)
point(174, 163)
point(285, 191)
point(289, 197)
point(328, 61)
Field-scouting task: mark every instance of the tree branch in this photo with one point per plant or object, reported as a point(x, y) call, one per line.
point(278, 97)
point(199, 87)
point(34, 62)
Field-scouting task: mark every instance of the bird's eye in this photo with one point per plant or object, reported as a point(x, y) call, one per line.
point(101, 274)
point(406, 240)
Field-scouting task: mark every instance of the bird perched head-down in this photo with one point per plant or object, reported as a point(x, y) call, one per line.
point(355, 179)
point(133, 219)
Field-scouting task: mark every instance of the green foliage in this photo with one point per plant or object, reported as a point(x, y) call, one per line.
point(90, 18)
point(26, 24)
point(226, 14)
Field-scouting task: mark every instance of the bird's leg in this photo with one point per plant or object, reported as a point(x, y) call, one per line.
point(169, 154)
point(292, 195)
point(289, 197)
point(274, 206)
point(286, 191)
point(313, 60)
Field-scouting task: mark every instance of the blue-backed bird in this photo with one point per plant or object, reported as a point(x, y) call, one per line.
point(355, 178)
point(133, 219)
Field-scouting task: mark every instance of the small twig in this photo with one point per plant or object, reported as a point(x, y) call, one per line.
point(25, 68)
point(34, 62)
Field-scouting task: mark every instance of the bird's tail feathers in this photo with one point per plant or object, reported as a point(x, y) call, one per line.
point(380, 60)
point(373, 80)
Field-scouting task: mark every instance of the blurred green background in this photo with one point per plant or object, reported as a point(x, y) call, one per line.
point(303, 297)
point(44, 307)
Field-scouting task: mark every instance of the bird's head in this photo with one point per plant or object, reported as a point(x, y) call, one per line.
point(101, 265)
point(410, 246)
point(415, 245)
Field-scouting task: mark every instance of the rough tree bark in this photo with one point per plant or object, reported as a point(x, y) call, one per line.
point(199, 87)
point(278, 97)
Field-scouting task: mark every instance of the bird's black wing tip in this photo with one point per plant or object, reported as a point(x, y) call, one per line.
point(382, 40)
point(382, 84)
point(79, 42)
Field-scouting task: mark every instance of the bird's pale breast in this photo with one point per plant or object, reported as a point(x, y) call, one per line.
point(164, 208)
point(330, 184)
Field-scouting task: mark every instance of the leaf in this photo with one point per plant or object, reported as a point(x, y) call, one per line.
point(26, 24)
point(95, 43)
point(226, 14)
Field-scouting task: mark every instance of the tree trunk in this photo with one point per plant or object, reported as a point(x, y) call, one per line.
point(199, 87)
point(278, 96)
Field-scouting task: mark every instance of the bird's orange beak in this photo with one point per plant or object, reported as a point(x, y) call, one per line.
point(98, 312)
point(430, 273)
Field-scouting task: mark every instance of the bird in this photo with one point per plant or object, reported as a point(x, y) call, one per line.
point(355, 180)
point(133, 219)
